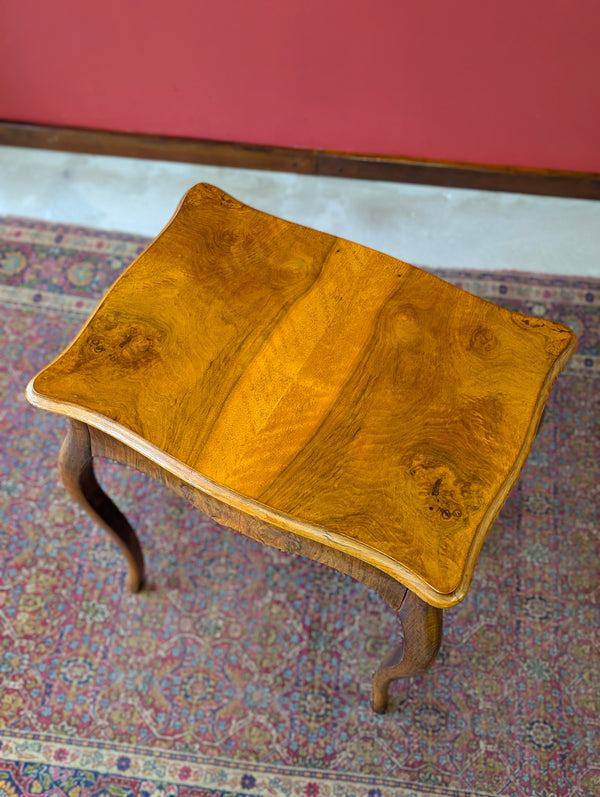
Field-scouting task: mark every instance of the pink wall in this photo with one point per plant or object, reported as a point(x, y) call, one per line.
point(513, 82)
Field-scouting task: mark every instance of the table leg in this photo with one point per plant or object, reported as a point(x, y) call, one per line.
point(75, 465)
point(422, 625)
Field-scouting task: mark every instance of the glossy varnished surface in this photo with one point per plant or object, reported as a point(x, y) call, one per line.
point(343, 394)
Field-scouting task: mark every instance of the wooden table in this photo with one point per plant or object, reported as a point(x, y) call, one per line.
point(313, 394)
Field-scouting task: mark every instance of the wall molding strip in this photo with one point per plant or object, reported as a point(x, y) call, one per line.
point(549, 182)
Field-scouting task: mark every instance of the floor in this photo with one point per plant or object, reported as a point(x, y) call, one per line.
point(420, 224)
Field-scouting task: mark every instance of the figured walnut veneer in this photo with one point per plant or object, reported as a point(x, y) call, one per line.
point(373, 413)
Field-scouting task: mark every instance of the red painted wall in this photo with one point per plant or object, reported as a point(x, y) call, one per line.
point(512, 82)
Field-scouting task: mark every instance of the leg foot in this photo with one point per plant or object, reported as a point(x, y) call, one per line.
point(75, 465)
point(422, 626)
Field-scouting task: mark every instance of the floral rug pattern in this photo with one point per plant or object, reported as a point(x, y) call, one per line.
point(246, 671)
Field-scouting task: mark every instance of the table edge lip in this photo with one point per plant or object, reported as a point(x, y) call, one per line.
point(333, 539)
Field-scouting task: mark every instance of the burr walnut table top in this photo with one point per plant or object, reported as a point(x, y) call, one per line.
point(330, 390)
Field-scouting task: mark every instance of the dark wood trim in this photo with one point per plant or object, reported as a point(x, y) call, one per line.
point(582, 185)
point(519, 180)
point(167, 148)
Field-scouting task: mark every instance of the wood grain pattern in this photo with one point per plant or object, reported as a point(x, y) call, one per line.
point(104, 445)
point(316, 385)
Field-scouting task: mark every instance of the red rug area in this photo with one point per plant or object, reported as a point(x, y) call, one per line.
point(242, 670)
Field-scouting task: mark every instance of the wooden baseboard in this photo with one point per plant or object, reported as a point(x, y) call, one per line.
point(582, 185)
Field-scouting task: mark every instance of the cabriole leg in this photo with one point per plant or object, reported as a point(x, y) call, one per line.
point(422, 625)
point(75, 465)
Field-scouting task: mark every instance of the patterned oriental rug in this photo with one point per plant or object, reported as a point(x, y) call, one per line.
point(245, 671)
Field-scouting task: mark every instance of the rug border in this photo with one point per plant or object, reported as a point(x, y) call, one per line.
point(197, 770)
